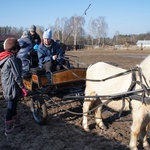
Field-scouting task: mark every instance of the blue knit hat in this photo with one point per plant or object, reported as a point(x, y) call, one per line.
point(47, 34)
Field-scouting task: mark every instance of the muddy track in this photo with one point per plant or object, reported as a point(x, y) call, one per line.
point(63, 130)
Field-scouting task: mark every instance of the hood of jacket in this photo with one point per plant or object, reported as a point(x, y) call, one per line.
point(4, 56)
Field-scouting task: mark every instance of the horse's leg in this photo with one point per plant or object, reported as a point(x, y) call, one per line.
point(98, 115)
point(86, 107)
point(135, 129)
point(143, 137)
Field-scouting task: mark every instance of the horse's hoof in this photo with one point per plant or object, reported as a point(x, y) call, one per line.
point(86, 129)
point(146, 148)
point(101, 128)
point(133, 148)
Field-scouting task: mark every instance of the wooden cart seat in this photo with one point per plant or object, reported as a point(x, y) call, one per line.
point(38, 71)
point(38, 76)
point(26, 76)
point(36, 80)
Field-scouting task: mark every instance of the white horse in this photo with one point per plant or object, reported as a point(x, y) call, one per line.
point(114, 85)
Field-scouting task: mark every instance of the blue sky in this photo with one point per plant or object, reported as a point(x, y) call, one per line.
point(125, 16)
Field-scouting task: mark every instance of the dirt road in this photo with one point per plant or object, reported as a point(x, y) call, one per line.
point(63, 130)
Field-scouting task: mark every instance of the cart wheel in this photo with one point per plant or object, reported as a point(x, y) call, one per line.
point(39, 110)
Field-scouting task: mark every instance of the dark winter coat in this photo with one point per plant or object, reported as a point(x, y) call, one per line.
point(45, 53)
point(35, 38)
point(11, 79)
point(25, 47)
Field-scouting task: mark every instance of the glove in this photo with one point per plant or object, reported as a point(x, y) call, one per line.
point(35, 47)
point(24, 92)
point(54, 57)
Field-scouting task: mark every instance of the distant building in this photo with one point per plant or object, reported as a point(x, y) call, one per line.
point(143, 43)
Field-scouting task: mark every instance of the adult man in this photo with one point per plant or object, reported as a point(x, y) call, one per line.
point(34, 36)
point(50, 54)
point(36, 40)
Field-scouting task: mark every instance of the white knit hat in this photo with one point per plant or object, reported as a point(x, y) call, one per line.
point(47, 34)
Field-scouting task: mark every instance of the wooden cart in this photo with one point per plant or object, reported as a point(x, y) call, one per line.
point(65, 79)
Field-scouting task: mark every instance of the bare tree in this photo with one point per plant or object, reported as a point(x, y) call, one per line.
point(102, 28)
point(14, 30)
point(117, 36)
point(57, 28)
point(92, 30)
point(63, 25)
point(76, 26)
point(40, 30)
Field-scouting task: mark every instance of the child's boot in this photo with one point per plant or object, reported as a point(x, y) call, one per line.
point(9, 126)
point(17, 121)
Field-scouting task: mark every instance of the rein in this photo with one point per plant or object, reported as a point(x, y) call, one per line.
point(124, 96)
point(98, 80)
point(135, 70)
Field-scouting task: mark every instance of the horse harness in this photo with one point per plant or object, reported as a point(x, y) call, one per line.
point(136, 71)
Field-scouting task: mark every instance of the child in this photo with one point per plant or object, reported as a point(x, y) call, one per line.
point(12, 83)
point(25, 48)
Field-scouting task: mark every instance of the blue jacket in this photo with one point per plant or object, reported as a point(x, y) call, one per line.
point(25, 47)
point(45, 53)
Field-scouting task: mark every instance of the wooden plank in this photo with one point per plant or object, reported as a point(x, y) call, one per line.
point(28, 84)
point(66, 76)
point(40, 80)
point(35, 78)
point(43, 80)
point(61, 77)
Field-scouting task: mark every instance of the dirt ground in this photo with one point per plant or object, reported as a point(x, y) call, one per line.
point(63, 130)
